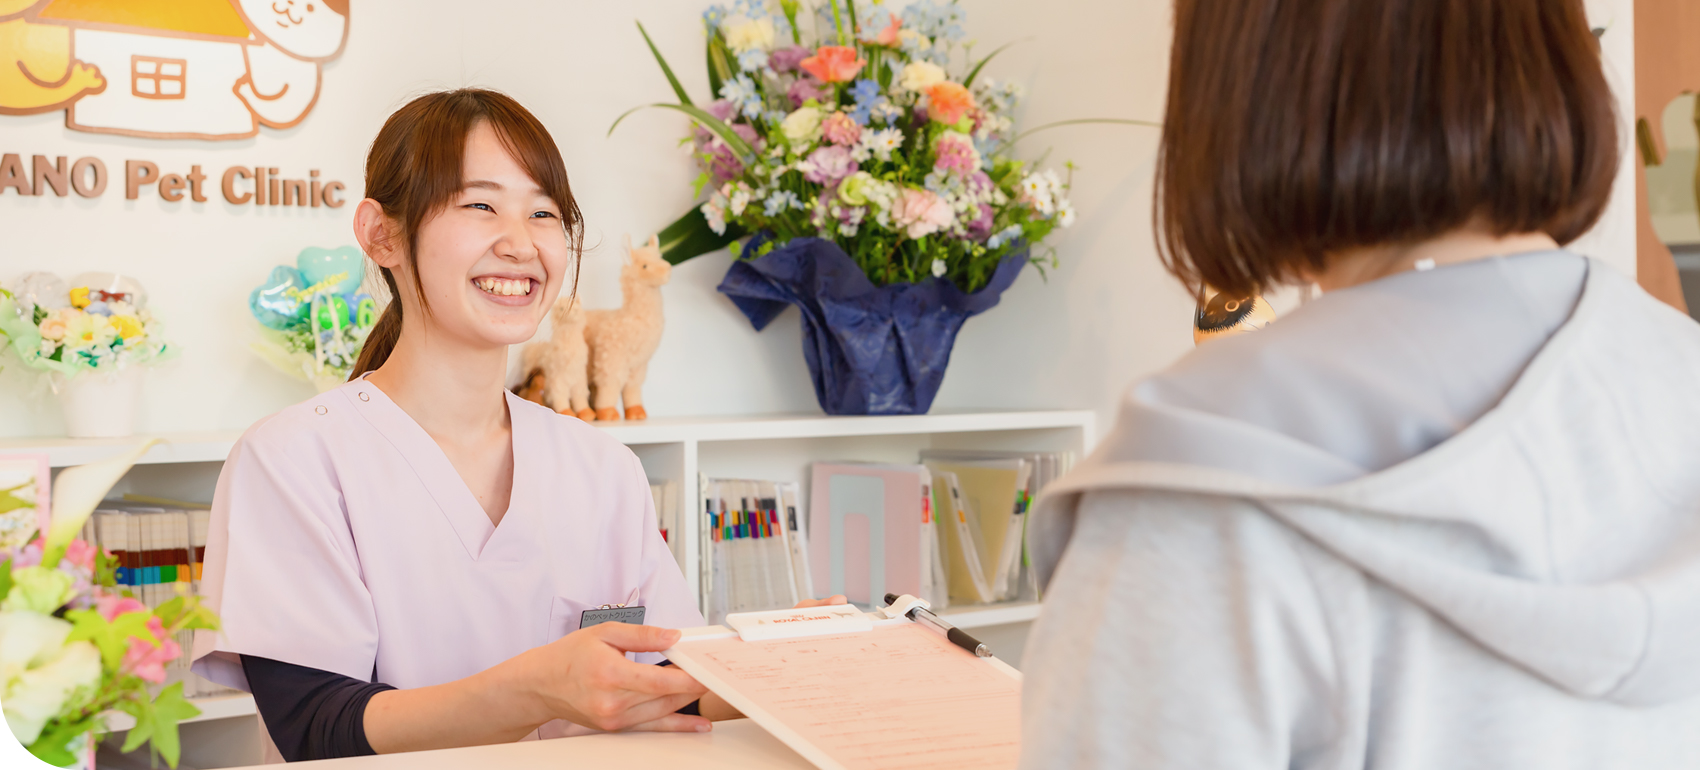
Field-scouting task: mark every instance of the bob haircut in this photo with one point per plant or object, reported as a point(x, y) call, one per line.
point(414, 171)
point(1300, 128)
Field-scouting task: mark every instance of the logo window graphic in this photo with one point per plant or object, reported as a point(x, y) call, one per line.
point(154, 78)
point(256, 63)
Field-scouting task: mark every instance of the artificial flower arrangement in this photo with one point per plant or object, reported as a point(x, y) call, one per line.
point(314, 318)
point(99, 324)
point(844, 133)
point(74, 646)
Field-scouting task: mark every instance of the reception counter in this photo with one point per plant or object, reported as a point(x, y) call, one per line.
point(738, 743)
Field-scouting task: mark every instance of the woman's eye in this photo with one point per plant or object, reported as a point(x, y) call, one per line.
point(543, 215)
point(480, 206)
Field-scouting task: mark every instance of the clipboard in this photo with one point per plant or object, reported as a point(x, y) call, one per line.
point(850, 690)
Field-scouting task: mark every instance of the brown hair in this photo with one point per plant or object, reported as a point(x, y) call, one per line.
point(414, 170)
point(1300, 128)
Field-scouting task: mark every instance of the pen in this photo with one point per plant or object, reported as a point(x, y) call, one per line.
point(956, 635)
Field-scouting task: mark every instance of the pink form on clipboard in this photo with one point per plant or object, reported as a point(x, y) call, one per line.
point(899, 696)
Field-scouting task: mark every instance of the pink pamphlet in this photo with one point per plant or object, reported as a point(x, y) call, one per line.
point(897, 696)
point(865, 525)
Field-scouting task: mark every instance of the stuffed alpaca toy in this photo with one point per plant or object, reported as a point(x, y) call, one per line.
point(556, 369)
point(622, 340)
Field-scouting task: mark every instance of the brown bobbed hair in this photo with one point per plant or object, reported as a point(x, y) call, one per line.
point(414, 171)
point(1300, 128)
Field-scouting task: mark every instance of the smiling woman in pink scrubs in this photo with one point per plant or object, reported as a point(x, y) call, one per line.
point(402, 563)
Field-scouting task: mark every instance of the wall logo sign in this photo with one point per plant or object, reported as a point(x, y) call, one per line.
point(168, 69)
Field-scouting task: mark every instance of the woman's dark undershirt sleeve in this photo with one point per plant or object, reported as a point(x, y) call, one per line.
point(314, 714)
point(311, 714)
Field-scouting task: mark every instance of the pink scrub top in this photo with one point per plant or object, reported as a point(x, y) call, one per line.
point(342, 539)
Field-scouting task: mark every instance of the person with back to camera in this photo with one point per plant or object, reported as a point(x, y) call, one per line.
point(406, 562)
point(1447, 514)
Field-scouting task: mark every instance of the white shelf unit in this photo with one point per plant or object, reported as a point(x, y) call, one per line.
point(772, 447)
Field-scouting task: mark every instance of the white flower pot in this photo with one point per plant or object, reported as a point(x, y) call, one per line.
point(102, 404)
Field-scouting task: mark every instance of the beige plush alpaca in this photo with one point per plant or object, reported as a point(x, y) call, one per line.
point(557, 369)
point(621, 341)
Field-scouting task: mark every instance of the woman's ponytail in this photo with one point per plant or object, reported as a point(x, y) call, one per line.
point(380, 342)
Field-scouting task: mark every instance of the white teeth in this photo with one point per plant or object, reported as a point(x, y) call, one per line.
point(504, 287)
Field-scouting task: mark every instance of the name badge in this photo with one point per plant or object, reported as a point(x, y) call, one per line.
point(632, 615)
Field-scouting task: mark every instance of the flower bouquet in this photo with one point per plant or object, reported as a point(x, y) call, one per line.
point(313, 317)
point(91, 339)
point(73, 646)
point(876, 179)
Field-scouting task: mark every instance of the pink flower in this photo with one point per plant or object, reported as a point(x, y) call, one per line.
point(722, 163)
point(147, 660)
point(112, 605)
point(834, 64)
point(956, 153)
point(80, 554)
point(840, 129)
point(947, 102)
point(806, 88)
point(888, 37)
point(786, 59)
point(921, 212)
point(828, 165)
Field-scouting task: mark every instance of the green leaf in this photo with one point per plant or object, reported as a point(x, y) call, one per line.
point(725, 132)
point(11, 502)
point(719, 63)
point(678, 89)
point(52, 746)
point(968, 82)
point(691, 236)
point(1081, 121)
point(113, 638)
point(169, 709)
point(5, 579)
point(142, 710)
point(105, 569)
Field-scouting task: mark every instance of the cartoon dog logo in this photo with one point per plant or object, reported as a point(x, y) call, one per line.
point(168, 69)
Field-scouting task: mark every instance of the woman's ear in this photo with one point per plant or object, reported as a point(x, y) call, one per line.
point(375, 232)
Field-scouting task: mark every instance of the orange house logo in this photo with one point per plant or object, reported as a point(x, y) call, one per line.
point(168, 69)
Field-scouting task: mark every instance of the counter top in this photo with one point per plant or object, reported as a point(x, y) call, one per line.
point(738, 743)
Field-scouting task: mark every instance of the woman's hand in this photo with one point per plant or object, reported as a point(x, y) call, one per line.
point(585, 678)
point(715, 708)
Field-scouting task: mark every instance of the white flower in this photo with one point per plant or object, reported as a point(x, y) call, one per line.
point(880, 143)
point(737, 197)
point(38, 670)
point(920, 76)
point(939, 268)
point(1065, 214)
point(715, 213)
point(39, 694)
point(803, 126)
point(743, 33)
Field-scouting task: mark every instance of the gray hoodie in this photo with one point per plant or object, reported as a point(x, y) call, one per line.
point(1375, 534)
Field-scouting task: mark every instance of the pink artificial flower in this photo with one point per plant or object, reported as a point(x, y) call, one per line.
point(841, 129)
point(981, 228)
point(786, 59)
point(888, 37)
point(80, 554)
point(947, 102)
point(956, 153)
point(29, 555)
point(921, 212)
point(722, 163)
point(111, 606)
point(148, 661)
point(834, 64)
point(806, 88)
point(828, 165)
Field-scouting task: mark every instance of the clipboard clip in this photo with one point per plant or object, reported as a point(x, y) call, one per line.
point(807, 621)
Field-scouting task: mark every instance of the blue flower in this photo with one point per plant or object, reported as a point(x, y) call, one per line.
point(782, 200)
point(1007, 234)
point(865, 90)
point(713, 16)
point(942, 21)
point(868, 98)
point(742, 92)
point(752, 60)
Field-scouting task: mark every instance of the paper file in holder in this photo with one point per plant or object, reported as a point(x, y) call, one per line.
point(807, 621)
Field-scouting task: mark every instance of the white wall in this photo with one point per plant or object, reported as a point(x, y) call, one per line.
point(1106, 316)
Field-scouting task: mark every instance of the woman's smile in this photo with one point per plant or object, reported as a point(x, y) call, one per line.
point(516, 291)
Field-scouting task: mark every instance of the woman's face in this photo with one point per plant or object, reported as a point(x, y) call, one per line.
point(492, 261)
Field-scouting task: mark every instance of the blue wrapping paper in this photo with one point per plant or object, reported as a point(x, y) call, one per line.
point(870, 350)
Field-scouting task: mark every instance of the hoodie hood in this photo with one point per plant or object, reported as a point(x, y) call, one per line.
point(1561, 530)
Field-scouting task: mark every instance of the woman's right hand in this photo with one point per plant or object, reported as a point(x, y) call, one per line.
point(585, 678)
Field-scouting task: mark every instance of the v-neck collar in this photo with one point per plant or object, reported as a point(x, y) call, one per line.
point(454, 499)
